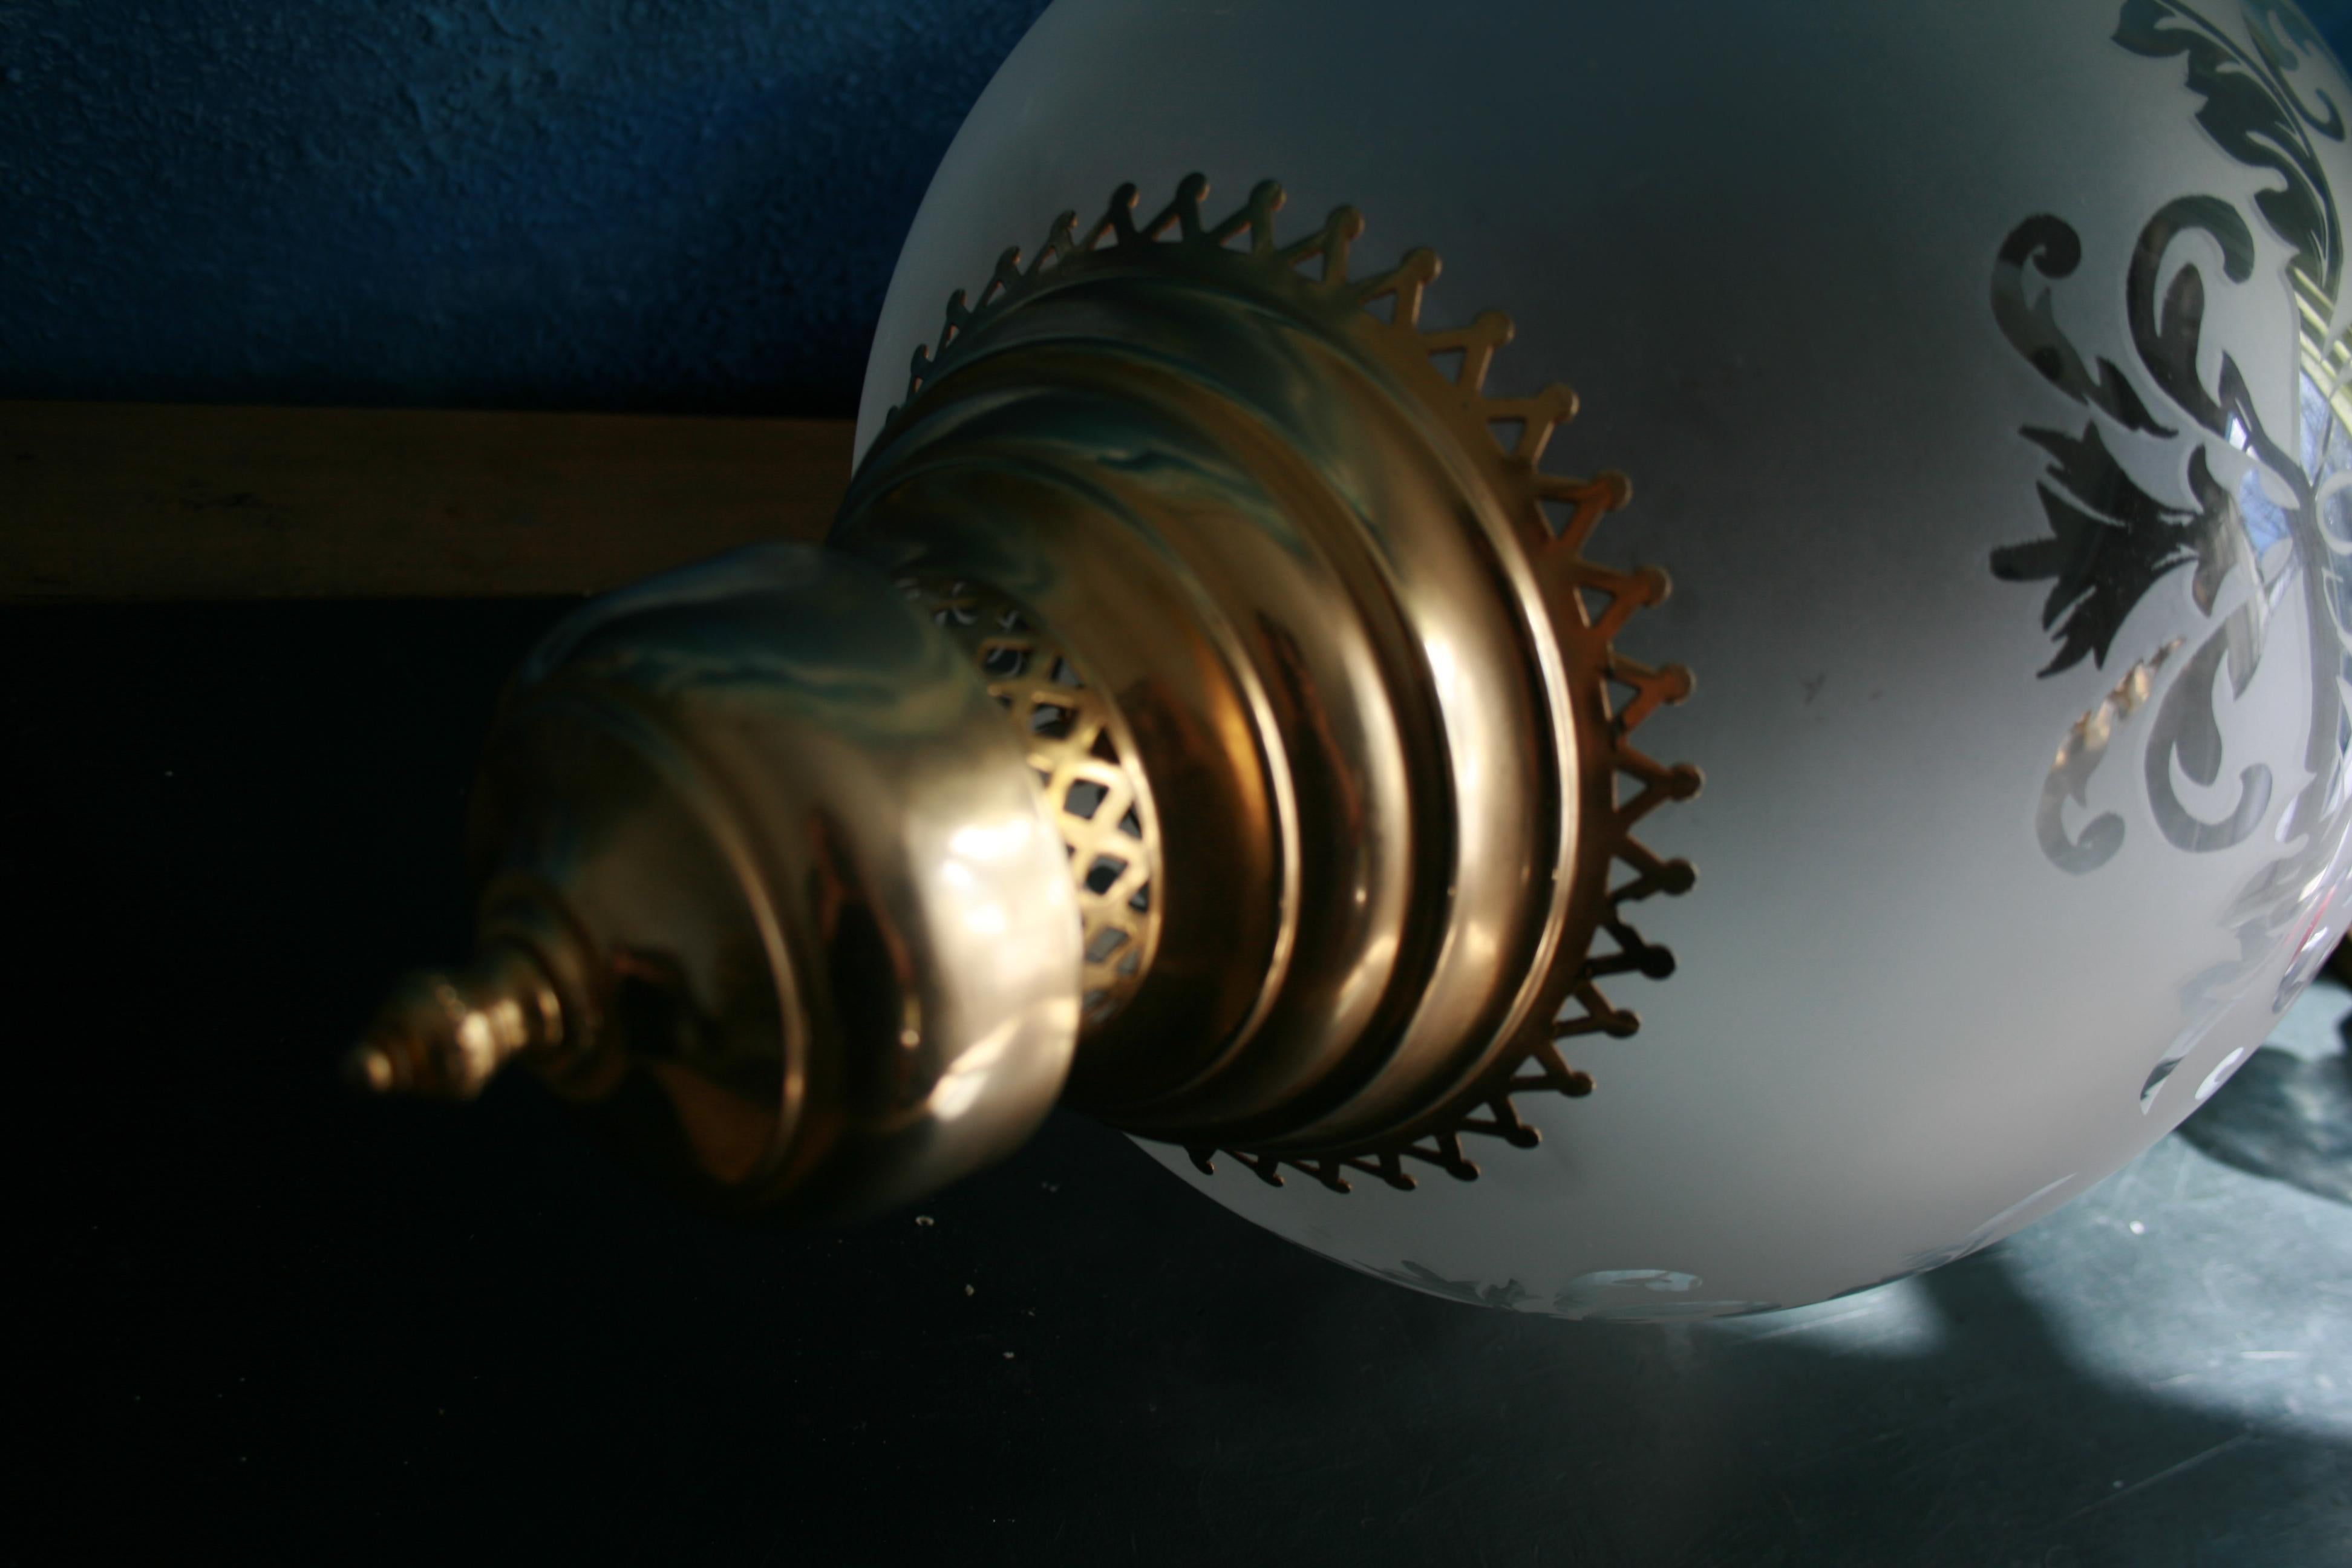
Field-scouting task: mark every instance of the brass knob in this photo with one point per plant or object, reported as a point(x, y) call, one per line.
point(821, 944)
point(446, 1033)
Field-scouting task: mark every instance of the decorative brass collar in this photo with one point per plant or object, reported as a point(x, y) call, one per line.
point(1537, 524)
point(1205, 713)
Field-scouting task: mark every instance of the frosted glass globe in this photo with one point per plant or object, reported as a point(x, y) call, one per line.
point(1976, 365)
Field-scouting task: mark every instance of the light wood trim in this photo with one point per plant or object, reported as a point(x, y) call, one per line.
point(118, 501)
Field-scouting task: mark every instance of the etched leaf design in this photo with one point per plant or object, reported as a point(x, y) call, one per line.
point(2251, 113)
point(2109, 540)
point(2048, 247)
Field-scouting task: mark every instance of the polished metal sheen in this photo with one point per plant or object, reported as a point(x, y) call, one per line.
point(1203, 712)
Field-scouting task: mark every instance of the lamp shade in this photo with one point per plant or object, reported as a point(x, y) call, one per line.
point(1976, 369)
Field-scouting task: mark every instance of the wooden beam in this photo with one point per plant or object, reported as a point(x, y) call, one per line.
point(128, 501)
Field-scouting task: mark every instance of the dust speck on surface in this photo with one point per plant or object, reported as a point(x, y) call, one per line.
point(924, 1219)
point(967, 1290)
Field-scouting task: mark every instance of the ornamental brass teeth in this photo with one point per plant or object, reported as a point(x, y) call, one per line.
point(1441, 374)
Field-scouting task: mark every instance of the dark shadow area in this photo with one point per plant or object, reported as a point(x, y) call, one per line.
point(273, 1323)
point(2286, 1118)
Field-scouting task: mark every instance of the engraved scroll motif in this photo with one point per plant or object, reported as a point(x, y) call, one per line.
point(2282, 528)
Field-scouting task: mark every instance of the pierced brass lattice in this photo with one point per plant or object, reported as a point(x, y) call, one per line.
point(1082, 756)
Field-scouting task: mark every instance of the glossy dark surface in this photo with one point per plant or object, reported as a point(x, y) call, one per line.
point(269, 1322)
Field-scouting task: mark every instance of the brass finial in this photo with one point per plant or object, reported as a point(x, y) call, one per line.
point(444, 1035)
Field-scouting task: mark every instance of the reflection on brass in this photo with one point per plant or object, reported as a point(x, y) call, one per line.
point(1079, 749)
point(1205, 713)
point(781, 862)
point(446, 1035)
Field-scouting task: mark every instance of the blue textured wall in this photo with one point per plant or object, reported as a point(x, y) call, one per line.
point(614, 203)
